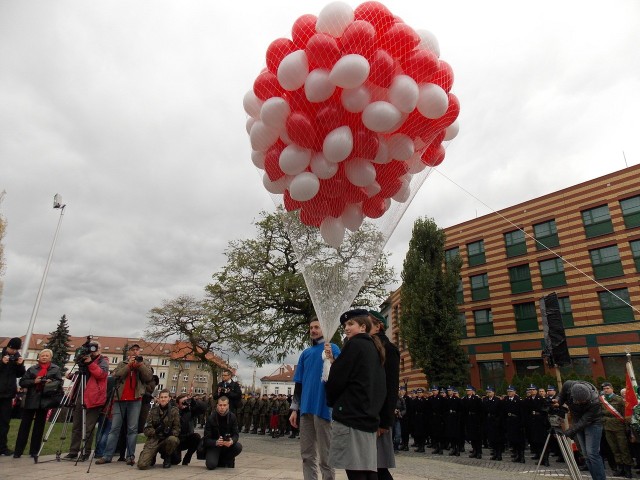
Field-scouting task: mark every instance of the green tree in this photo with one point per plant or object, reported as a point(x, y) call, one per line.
point(429, 316)
point(58, 343)
point(261, 288)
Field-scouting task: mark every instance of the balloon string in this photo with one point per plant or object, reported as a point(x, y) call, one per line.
point(564, 260)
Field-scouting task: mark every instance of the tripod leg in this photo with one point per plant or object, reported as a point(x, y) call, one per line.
point(542, 454)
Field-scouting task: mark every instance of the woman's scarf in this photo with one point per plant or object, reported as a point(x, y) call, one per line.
point(44, 368)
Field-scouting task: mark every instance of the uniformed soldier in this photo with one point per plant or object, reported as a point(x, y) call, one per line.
point(283, 415)
point(538, 424)
point(493, 422)
point(472, 416)
point(406, 421)
point(419, 420)
point(263, 413)
point(514, 425)
point(553, 446)
point(255, 413)
point(249, 404)
point(436, 425)
point(615, 430)
point(453, 422)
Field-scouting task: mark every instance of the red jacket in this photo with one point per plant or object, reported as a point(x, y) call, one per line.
point(95, 394)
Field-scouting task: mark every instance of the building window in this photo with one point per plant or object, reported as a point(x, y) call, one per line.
point(173, 389)
point(526, 319)
point(475, 253)
point(460, 293)
point(520, 278)
point(484, 322)
point(491, 373)
point(529, 367)
point(606, 262)
point(552, 273)
point(187, 365)
point(597, 221)
point(175, 377)
point(635, 250)
point(615, 306)
point(288, 390)
point(617, 365)
point(164, 362)
point(462, 320)
point(479, 287)
point(162, 375)
point(184, 389)
point(631, 211)
point(451, 254)
point(565, 311)
point(176, 364)
point(186, 378)
point(515, 243)
point(546, 235)
point(276, 390)
point(113, 360)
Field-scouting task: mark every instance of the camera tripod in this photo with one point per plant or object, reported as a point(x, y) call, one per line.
point(565, 449)
point(73, 395)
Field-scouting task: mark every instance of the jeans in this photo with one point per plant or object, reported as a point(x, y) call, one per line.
point(130, 409)
point(589, 441)
point(104, 428)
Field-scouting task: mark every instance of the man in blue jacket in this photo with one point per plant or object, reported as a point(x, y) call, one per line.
point(310, 399)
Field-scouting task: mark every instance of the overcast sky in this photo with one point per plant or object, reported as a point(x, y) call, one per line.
point(132, 111)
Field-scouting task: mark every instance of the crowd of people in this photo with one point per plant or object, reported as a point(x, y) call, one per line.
point(347, 408)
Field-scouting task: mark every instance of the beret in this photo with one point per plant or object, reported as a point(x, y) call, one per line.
point(358, 312)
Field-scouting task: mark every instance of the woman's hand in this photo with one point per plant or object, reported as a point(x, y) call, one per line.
point(328, 353)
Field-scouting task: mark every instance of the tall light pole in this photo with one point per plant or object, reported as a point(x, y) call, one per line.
point(57, 204)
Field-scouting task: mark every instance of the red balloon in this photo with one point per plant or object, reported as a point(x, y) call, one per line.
point(272, 161)
point(430, 128)
point(376, 14)
point(444, 76)
point(421, 65)
point(266, 86)
point(412, 125)
point(322, 51)
point(328, 118)
point(359, 38)
point(334, 187)
point(365, 143)
point(310, 217)
point(399, 40)
point(382, 68)
point(289, 203)
point(303, 29)
point(279, 48)
point(300, 130)
point(374, 207)
point(432, 157)
point(298, 102)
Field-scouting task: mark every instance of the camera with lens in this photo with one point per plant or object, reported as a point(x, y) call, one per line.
point(86, 349)
point(227, 437)
point(139, 359)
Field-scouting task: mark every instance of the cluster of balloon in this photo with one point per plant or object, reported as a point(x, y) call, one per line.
point(346, 112)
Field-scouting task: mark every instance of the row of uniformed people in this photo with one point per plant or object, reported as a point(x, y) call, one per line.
point(268, 414)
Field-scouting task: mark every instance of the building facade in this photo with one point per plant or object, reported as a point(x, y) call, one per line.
point(583, 243)
point(280, 381)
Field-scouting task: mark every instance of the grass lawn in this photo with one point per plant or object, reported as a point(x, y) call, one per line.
point(55, 441)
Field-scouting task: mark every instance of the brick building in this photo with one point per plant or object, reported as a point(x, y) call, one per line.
point(582, 242)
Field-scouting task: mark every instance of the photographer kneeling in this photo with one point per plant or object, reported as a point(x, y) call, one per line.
point(189, 409)
point(162, 430)
point(221, 435)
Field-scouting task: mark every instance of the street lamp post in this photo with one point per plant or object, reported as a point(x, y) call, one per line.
point(57, 204)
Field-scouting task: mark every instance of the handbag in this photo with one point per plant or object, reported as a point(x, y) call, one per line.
point(52, 394)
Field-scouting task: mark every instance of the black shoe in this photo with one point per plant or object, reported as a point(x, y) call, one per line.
point(166, 463)
point(70, 456)
point(16, 455)
point(404, 448)
point(536, 457)
point(545, 462)
point(419, 450)
point(122, 459)
point(7, 453)
point(85, 457)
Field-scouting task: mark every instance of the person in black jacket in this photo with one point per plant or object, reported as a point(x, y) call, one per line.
point(189, 409)
point(221, 434)
point(229, 389)
point(356, 390)
point(11, 368)
point(384, 443)
point(587, 422)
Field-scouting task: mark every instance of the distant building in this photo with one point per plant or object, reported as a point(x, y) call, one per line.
point(592, 231)
point(280, 381)
point(178, 374)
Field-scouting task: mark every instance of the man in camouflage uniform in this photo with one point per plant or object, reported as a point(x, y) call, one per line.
point(264, 411)
point(162, 430)
point(283, 415)
point(615, 431)
point(255, 413)
point(247, 417)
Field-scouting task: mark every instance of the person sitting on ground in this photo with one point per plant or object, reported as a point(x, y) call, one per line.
point(221, 435)
point(162, 430)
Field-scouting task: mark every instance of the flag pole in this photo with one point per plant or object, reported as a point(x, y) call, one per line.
point(631, 373)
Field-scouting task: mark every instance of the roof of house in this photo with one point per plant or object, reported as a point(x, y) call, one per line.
point(284, 373)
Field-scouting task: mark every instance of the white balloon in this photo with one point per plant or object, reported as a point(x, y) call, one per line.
point(354, 100)
point(252, 104)
point(262, 137)
point(293, 70)
point(258, 159)
point(304, 186)
point(350, 71)
point(400, 147)
point(403, 194)
point(380, 116)
point(352, 216)
point(428, 41)
point(382, 155)
point(360, 172)
point(373, 189)
point(317, 86)
point(334, 19)
point(338, 144)
point(452, 131)
point(403, 93)
point(277, 187)
point(274, 112)
point(332, 231)
point(432, 101)
point(416, 165)
point(284, 136)
point(249, 124)
point(294, 159)
point(322, 167)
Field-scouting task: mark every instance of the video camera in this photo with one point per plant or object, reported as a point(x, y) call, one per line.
point(86, 349)
point(162, 431)
point(14, 357)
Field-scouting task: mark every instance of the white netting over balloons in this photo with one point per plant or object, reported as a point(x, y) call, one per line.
point(346, 121)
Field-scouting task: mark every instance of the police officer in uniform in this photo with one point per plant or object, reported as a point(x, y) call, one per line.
point(406, 421)
point(472, 416)
point(419, 420)
point(514, 424)
point(538, 420)
point(453, 422)
point(493, 421)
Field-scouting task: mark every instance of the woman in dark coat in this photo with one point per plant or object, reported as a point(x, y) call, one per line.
point(43, 382)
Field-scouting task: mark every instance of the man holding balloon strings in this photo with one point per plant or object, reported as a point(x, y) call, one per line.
point(310, 400)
